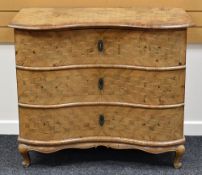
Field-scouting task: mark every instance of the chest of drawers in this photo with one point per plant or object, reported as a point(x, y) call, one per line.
point(111, 77)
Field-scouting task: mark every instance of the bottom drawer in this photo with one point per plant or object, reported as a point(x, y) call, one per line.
point(113, 121)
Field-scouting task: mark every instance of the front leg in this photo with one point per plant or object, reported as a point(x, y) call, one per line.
point(178, 156)
point(23, 149)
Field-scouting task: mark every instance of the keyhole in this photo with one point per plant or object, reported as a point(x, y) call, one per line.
point(101, 83)
point(100, 46)
point(101, 119)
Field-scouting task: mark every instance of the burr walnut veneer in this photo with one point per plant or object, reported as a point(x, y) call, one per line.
point(101, 77)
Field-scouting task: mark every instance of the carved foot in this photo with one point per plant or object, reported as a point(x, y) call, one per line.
point(23, 149)
point(178, 156)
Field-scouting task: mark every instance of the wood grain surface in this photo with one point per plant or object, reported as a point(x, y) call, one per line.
point(7, 16)
point(193, 8)
point(193, 35)
point(52, 18)
point(142, 47)
point(118, 87)
point(8, 36)
point(81, 85)
point(64, 123)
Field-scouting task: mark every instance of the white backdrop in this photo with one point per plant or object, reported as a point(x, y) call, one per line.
point(8, 91)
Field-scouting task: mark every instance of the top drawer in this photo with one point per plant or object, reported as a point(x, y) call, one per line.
point(141, 47)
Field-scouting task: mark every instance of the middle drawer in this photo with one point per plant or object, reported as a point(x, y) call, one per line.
point(101, 84)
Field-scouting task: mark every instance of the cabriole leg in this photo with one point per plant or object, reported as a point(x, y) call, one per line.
point(23, 149)
point(178, 156)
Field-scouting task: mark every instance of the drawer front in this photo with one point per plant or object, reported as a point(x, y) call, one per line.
point(141, 47)
point(91, 85)
point(143, 87)
point(55, 87)
point(111, 121)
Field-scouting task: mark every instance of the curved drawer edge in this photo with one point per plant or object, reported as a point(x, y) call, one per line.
point(101, 104)
point(102, 141)
point(89, 66)
point(51, 149)
point(99, 25)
